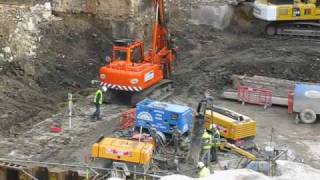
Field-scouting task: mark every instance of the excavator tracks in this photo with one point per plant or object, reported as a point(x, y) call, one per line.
point(296, 29)
point(159, 92)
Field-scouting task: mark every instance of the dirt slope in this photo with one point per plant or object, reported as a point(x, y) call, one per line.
point(71, 50)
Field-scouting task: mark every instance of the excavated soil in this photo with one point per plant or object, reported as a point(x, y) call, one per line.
point(70, 53)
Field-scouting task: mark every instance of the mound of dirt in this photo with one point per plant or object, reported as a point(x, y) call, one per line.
point(69, 54)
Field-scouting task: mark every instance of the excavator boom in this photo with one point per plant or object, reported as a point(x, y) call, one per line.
point(160, 31)
point(231, 147)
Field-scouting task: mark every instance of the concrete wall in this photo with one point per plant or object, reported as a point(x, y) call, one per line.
point(127, 18)
point(74, 6)
point(216, 13)
point(218, 16)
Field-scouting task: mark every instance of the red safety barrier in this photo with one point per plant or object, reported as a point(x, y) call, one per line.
point(258, 96)
point(127, 119)
point(290, 101)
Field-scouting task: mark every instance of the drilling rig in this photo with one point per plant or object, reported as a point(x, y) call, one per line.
point(138, 73)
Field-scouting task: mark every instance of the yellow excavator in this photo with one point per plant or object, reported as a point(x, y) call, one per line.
point(289, 17)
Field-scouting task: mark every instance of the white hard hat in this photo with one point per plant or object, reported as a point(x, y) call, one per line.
point(104, 88)
point(200, 164)
point(211, 127)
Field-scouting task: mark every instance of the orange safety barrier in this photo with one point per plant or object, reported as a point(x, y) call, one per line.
point(127, 119)
point(290, 101)
point(259, 96)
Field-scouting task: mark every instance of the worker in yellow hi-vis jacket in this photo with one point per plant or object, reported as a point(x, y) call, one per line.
point(98, 100)
point(206, 142)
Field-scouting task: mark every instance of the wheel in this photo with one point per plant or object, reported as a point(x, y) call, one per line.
point(271, 30)
point(308, 116)
point(160, 141)
point(162, 137)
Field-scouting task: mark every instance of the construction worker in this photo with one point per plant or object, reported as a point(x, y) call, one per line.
point(176, 137)
point(203, 170)
point(206, 141)
point(98, 100)
point(215, 136)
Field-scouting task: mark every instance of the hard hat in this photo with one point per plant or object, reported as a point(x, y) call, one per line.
point(104, 88)
point(200, 164)
point(108, 59)
point(211, 127)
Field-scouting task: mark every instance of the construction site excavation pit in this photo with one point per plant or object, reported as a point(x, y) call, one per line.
point(48, 51)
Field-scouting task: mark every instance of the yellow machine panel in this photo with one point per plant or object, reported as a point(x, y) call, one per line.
point(231, 125)
point(123, 150)
point(277, 10)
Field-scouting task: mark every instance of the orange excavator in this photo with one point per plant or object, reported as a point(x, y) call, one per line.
point(138, 73)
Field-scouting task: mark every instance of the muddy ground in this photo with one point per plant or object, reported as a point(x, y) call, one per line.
point(75, 47)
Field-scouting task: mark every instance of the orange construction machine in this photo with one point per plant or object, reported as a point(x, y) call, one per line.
point(124, 155)
point(142, 74)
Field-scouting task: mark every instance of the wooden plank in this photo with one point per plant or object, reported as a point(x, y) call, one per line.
point(279, 87)
point(263, 81)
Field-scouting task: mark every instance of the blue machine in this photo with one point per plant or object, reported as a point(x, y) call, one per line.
point(306, 96)
point(163, 116)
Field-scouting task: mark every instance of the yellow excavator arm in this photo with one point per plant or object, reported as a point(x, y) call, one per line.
point(231, 147)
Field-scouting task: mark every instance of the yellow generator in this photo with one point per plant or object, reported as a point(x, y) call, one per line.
point(289, 17)
point(231, 125)
point(125, 154)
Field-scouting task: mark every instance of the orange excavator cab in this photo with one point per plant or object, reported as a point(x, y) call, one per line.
point(142, 74)
point(128, 50)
